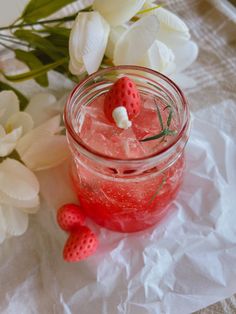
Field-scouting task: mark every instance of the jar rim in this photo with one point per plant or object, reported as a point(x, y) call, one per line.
point(150, 158)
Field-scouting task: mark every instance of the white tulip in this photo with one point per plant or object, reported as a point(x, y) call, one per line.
point(42, 107)
point(13, 222)
point(135, 42)
point(8, 141)
point(159, 58)
point(43, 147)
point(17, 181)
point(166, 48)
point(185, 55)
point(172, 28)
point(13, 123)
point(117, 12)
point(88, 41)
point(114, 35)
point(19, 190)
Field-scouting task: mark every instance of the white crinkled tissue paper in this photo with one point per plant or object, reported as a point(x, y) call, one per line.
point(185, 264)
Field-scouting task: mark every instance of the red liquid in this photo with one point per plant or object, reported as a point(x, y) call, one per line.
point(132, 203)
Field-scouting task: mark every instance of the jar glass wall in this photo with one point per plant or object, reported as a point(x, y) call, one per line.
point(127, 194)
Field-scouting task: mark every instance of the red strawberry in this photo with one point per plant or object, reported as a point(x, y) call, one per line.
point(122, 102)
point(80, 244)
point(70, 217)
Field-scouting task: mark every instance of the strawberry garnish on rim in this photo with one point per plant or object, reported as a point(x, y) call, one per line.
point(122, 102)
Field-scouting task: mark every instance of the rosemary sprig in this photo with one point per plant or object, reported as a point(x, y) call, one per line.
point(159, 116)
point(164, 130)
point(163, 181)
point(161, 134)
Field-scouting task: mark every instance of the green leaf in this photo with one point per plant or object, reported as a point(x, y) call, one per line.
point(35, 73)
point(62, 43)
point(62, 31)
point(23, 100)
point(38, 9)
point(33, 63)
point(40, 43)
point(63, 69)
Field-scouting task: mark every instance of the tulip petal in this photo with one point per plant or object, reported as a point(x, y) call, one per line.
point(88, 40)
point(114, 36)
point(9, 104)
point(42, 107)
point(171, 21)
point(25, 204)
point(8, 141)
point(20, 119)
point(171, 38)
point(185, 55)
point(76, 67)
point(134, 43)
point(14, 221)
point(117, 12)
point(31, 210)
point(46, 152)
point(173, 31)
point(43, 131)
point(159, 57)
point(17, 181)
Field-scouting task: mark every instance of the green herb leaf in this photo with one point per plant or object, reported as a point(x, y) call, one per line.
point(159, 117)
point(38, 9)
point(33, 63)
point(163, 181)
point(169, 118)
point(35, 73)
point(23, 100)
point(161, 134)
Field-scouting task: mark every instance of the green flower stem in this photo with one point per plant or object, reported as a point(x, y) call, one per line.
point(11, 39)
point(35, 73)
point(6, 46)
point(150, 9)
point(64, 19)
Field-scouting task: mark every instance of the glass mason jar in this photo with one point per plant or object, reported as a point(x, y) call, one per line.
point(127, 195)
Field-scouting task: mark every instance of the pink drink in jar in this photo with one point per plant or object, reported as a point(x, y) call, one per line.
point(124, 179)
